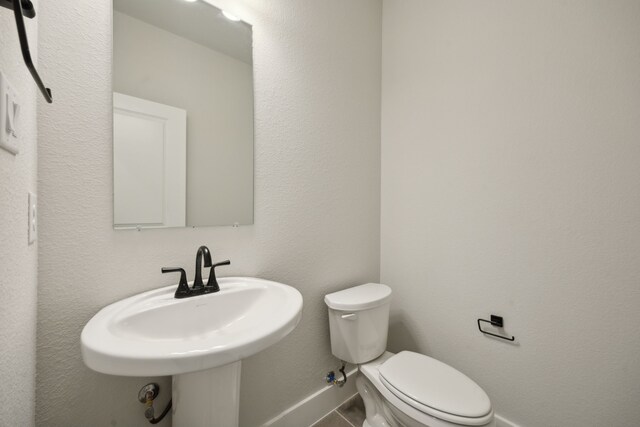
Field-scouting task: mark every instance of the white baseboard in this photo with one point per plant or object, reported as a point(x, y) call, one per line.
point(314, 407)
point(503, 422)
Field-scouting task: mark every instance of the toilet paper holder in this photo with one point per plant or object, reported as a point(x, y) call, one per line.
point(498, 322)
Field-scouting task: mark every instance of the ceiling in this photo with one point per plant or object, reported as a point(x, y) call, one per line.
point(197, 21)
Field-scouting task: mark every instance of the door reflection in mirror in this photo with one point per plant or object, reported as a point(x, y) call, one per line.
point(183, 116)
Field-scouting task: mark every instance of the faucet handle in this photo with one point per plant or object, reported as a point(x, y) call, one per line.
point(212, 284)
point(183, 287)
point(218, 264)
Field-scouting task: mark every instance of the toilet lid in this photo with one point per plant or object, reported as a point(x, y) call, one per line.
point(421, 380)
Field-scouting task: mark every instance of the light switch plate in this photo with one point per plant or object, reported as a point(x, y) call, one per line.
point(9, 114)
point(33, 217)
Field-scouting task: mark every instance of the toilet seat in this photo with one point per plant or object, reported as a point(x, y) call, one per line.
point(435, 388)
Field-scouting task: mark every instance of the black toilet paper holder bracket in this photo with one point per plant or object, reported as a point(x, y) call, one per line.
point(498, 322)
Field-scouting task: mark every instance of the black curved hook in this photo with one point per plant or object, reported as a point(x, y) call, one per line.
point(25, 8)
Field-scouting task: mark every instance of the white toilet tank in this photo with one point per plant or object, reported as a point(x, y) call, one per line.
point(359, 322)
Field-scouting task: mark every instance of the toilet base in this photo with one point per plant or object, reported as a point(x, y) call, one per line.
point(379, 412)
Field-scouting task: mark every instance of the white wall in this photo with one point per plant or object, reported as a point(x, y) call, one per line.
point(510, 177)
point(317, 80)
point(18, 259)
point(217, 92)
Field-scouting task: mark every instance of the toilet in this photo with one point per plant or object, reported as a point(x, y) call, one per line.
point(406, 389)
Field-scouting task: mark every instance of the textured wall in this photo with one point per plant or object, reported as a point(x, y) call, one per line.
point(18, 259)
point(510, 177)
point(317, 81)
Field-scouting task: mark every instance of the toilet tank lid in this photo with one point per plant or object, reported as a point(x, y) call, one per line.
point(361, 297)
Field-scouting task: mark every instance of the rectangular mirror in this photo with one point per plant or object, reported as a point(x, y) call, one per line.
point(182, 115)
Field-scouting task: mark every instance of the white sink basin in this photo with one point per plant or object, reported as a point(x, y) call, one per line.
point(154, 333)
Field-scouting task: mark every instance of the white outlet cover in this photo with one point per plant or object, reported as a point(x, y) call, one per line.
point(8, 106)
point(33, 217)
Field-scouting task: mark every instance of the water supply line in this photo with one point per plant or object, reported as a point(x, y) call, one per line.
point(147, 395)
point(330, 378)
point(164, 413)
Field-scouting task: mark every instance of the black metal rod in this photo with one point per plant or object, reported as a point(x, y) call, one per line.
point(27, 7)
point(26, 54)
point(497, 322)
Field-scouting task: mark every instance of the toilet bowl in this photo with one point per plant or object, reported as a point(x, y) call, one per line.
point(406, 389)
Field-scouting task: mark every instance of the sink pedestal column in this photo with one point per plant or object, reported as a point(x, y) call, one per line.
point(207, 398)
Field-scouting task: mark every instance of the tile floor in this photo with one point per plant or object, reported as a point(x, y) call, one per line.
point(349, 414)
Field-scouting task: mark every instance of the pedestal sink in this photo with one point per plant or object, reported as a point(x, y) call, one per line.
point(199, 341)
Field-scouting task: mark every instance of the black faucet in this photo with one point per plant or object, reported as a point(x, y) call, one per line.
point(202, 251)
point(198, 288)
